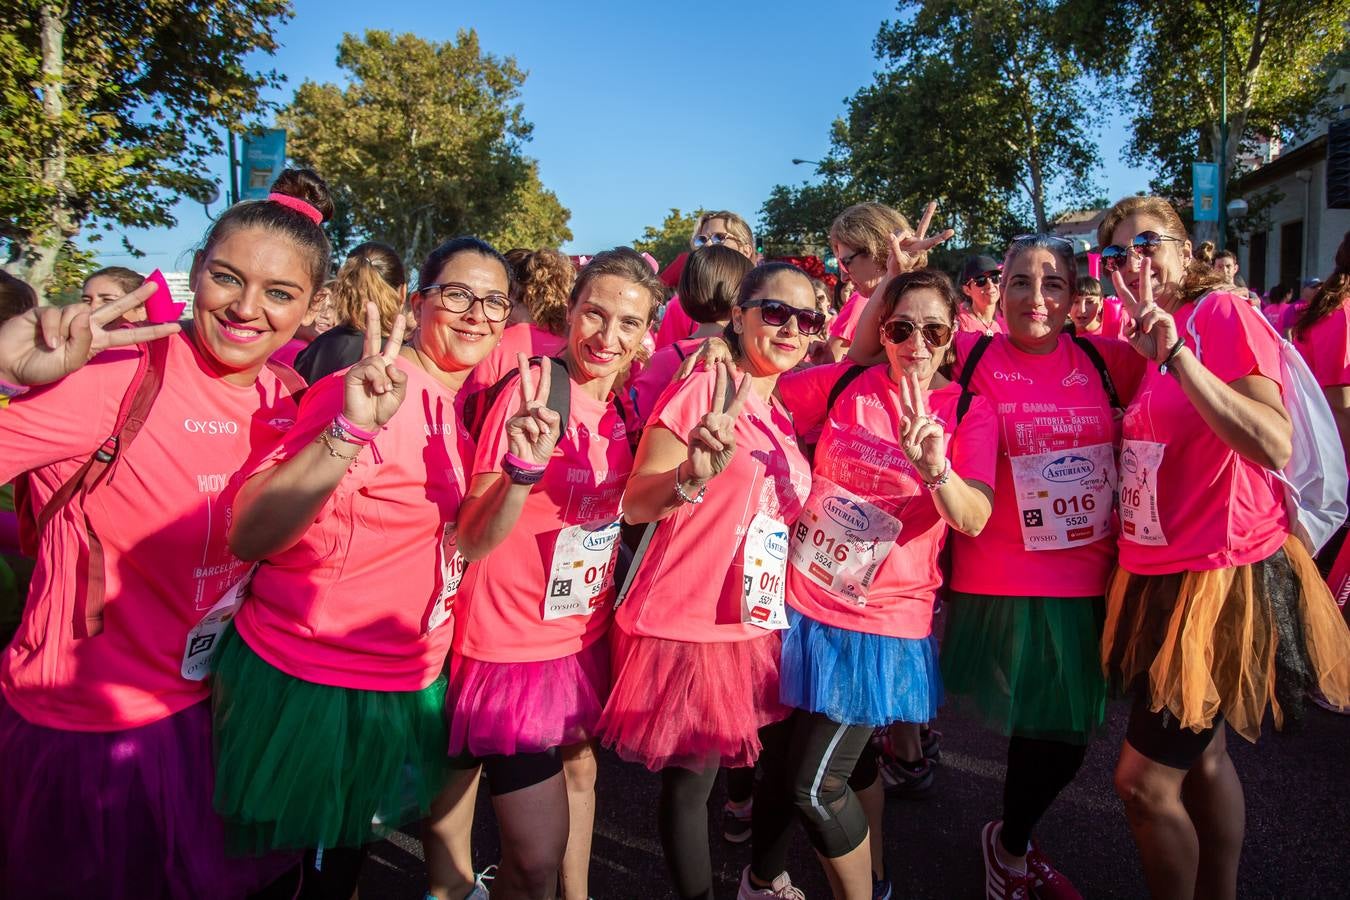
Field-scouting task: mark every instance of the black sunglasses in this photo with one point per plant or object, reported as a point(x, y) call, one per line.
point(1145, 243)
point(897, 331)
point(777, 313)
point(984, 280)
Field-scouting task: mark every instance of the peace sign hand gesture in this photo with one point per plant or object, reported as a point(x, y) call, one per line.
point(1151, 329)
point(48, 343)
point(534, 430)
point(374, 387)
point(921, 436)
point(907, 247)
point(712, 442)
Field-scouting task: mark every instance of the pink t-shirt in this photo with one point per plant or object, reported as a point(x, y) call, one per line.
point(1326, 347)
point(675, 325)
point(689, 586)
point(505, 597)
point(1113, 318)
point(859, 452)
point(501, 359)
point(655, 377)
point(1216, 509)
point(1045, 404)
point(288, 351)
point(161, 518)
point(967, 321)
point(357, 601)
point(1289, 316)
point(846, 323)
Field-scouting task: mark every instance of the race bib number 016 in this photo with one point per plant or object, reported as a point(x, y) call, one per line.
point(1139, 520)
point(841, 540)
point(450, 566)
point(583, 569)
point(765, 559)
point(1065, 496)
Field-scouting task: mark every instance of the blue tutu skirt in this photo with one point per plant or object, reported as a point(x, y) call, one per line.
point(856, 678)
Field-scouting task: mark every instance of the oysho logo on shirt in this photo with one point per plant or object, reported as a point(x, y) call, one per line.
point(1012, 376)
point(210, 426)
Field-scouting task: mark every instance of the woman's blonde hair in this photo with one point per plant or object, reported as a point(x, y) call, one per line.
point(373, 271)
point(736, 227)
point(1198, 278)
point(868, 227)
point(544, 280)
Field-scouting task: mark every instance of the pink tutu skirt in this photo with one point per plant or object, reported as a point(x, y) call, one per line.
point(509, 708)
point(677, 703)
point(121, 814)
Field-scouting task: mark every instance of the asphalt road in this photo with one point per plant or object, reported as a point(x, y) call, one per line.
point(1297, 841)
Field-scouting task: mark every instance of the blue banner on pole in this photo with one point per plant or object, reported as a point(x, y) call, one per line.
point(1205, 191)
point(264, 158)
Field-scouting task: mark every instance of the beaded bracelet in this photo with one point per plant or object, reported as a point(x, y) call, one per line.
point(353, 434)
point(941, 479)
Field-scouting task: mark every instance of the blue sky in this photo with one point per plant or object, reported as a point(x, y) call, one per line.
point(635, 108)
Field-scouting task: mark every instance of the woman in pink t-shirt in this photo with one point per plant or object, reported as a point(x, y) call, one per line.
point(329, 692)
point(105, 728)
point(530, 672)
point(708, 285)
point(695, 653)
point(898, 462)
point(1215, 611)
point(720, 228)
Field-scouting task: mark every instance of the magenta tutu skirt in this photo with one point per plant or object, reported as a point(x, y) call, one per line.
point(677, 703)
point(121, 814)
point(509, 708)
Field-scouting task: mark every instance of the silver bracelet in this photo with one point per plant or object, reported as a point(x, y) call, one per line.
point(941, 479)
point(679, 489)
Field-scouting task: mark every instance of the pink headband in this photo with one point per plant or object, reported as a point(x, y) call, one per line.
point(305, 209)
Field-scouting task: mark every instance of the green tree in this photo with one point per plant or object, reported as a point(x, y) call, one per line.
point(426, 142)
point(797, 219)
point(669, 239)
point(109, 111)
point(1280, 58)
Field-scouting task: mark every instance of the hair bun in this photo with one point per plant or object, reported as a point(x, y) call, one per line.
point(306, 185)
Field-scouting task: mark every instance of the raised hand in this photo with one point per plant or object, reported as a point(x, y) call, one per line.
point(533, 432)
point(48, 343)
point(373, 388)
point(1151, 330)
point(908, 247)
point(711, 352)
point(921, 436)
point(712, 442)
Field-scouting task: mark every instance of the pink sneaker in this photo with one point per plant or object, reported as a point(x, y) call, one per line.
point(1047, 882)
point(1000, 882)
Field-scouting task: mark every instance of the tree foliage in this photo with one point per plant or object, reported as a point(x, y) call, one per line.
point(109, 110)
point(797, 219)
point(669, 239)
point(425, 141)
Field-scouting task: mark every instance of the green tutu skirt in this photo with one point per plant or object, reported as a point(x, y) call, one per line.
point(302, 765)
point(1031, 666)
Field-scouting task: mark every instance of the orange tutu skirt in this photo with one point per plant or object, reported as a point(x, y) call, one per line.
point(1229, 641)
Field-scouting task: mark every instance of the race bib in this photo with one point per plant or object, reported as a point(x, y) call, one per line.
point(841, 540)
point(1139, 522)
point(1064, 496)
point(583, 569)
point(765, 560)
point(202, 639)
point(450, 566)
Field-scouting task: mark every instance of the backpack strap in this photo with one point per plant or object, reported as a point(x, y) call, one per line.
point(648, 531)
point(849, 376)
point(477, 406)
point(87, 620)
point(1092, 353)
point(968, 373)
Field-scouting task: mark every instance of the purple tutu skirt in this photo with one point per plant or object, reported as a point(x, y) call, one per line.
point(696, 706)
point(120, 814)
point(530, 707)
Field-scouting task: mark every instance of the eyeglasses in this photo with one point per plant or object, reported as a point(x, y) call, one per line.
point(777, 313)
point(846, 261)
point(897, 331)
point(1043, 236)
point(457, 298)
point(1145, 243)
point(984, 280)
point(717, 237)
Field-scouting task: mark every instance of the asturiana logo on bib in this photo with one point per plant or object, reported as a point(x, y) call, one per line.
point(776, 544)
point(1068, 468)
point(846, 513)
point(599, 540)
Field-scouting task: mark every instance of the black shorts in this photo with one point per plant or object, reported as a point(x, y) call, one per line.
point(1158, 735)
point(507, 774)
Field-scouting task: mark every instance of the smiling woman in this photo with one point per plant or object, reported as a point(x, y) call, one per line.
point(105, 727)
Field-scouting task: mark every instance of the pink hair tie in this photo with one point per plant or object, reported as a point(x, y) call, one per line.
point(308, 210)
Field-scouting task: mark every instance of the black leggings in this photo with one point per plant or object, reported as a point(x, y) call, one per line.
point(1037, 771)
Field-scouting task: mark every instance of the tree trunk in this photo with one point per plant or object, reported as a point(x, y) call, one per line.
point(37, 255)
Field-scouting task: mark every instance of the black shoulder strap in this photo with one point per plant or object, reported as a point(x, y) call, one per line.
point(849, 376)
point(1100, 365)
point(559, 390)
point(635, 563)
point(678, 352)
point(968, 373)
point(476, 407)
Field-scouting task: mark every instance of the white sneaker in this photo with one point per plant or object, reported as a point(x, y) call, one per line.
point(481, 882)
point(781, 889)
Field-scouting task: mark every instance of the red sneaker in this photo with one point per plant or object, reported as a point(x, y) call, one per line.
point(1047, 882)
point(1000, 882)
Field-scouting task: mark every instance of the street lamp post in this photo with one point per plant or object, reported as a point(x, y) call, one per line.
point(802, 162)
point(1223, 127)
